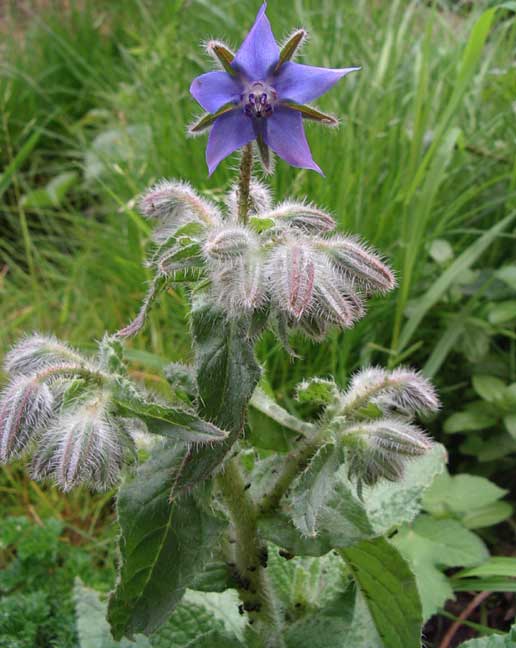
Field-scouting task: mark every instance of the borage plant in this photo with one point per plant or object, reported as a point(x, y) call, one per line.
point(301, 532)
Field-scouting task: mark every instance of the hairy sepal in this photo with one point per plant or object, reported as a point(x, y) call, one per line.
point(36, 352)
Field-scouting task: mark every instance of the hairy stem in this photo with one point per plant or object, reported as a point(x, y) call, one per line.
point(244, 180)
point(250, 558)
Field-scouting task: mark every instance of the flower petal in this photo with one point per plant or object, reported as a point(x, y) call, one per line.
point(215, 89)
point(259, 52)
point(304, 83)
point(230, 131)
point(283, 131)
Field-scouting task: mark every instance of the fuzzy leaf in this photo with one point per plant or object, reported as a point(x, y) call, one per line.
point(494, 641)
point(92, 627)
point(317, 390)
point(390, 590)
point(163, 545)
point(168, 421)
point(429, 544)
point(310, 490)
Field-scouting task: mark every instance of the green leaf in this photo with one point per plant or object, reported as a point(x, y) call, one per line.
point(429, 544)
point(510, 424)
point(163, 545)
point(92, 627)
point(494, 641)
point(310, 490)
point(469, 420)
point(495, 566)
point(490, 388)
point(486, 516)
point(390, 504)
point(390, 590)
point(171, 422)
point(502, 312)
point(279, 529)
point(54, 192)
point(460, 494)
point(203, 620)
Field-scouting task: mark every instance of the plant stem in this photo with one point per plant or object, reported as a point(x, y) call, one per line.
point(244, 180)
point(250, 558)
point(295, 462)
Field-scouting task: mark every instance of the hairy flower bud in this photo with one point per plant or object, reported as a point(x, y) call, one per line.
point(86, 445)
point(260, 199)
point(173, 204)
point(36, 352)
point(358, 262)
point(392, 436)
point(228, 241)
point(238, 285)
point(403, 389)
point(25, 406)
point(337, 301)
point(304, 217)
point(291, 273)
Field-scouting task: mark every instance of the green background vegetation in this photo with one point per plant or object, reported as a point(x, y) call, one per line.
point(94, 104)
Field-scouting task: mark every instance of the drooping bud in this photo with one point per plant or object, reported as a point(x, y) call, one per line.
point(260, 199)
point(173, 204)
point(359, 263)
point(291, 272)
point(378, 449)
point(25, 406)
point(337, 302)
point(36, 352)
point(238, 286)
point(84, 446)
point(392, 436)
point(403, 390)
point(307, 218)
point(228, 242)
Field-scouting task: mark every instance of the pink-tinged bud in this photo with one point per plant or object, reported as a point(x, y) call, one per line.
point(336, 300)
point(238, 285)
point(403, 390)
point(173, 204)
point(36, 352)
point(291, 271)
point(395, 436)
point(84, 446)
point(260, 199)
point(303, 217)
point(25, 407)
point(228, 242)
point(360, 263)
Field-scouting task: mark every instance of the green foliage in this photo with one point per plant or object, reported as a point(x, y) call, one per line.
point(165, 541)
point(377, 568)
point(494, 641)
point(38, 570)
point(428, 545)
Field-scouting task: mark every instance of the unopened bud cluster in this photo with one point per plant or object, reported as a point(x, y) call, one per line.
point(374, 419)
point(286, 262)
point(57, 405)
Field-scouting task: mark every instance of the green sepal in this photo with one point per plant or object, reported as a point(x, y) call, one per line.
point(111, 355)
point(308, 112)
point(224, 55)
point(207, 120)
point(289, 49)
point(265, 153)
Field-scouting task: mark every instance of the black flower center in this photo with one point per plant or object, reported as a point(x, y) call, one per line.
point(258, 100)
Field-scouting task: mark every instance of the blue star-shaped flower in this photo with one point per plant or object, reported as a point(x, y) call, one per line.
point(261, 95)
